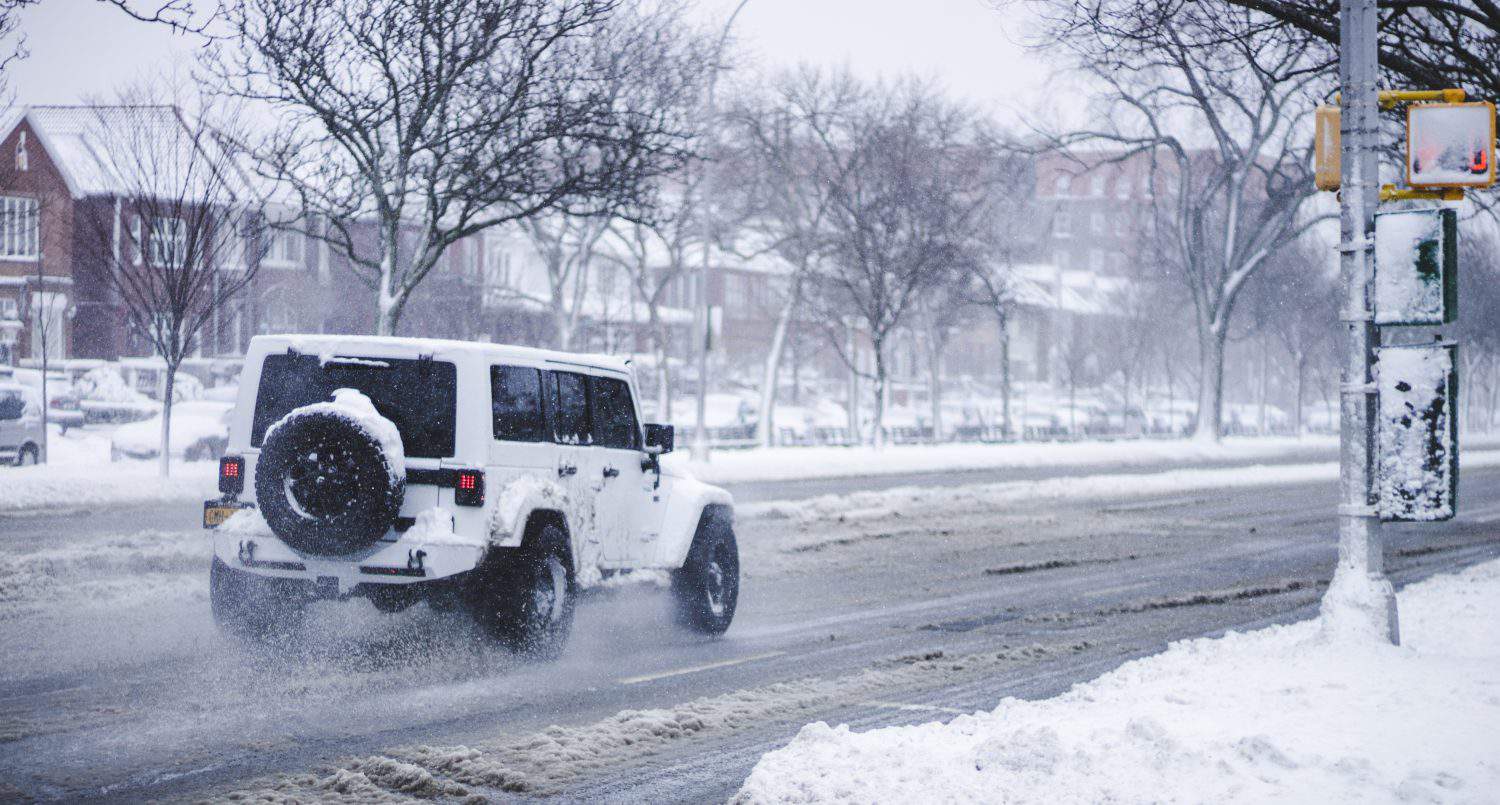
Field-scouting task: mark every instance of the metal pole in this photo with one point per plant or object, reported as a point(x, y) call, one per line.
point(1360, 599)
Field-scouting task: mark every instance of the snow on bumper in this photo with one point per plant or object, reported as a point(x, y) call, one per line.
point(428, 550)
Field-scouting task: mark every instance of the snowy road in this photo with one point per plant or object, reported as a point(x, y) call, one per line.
point(115, 684)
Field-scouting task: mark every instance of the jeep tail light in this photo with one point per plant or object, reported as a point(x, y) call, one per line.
point(468, 488)
point(231, 475)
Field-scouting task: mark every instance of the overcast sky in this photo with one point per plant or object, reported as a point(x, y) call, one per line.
point(81, 48)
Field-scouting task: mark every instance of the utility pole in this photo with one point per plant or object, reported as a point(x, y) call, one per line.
point(1360, 599)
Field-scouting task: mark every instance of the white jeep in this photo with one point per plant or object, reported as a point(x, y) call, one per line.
point(492, 478)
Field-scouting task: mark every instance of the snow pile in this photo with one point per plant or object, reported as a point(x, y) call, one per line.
point(355, 408)
point(1282, 713)
point(67, 485)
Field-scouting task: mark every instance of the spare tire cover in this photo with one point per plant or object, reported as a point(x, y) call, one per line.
point(325, 483)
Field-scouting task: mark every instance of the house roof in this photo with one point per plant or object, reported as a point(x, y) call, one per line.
point(128, 150)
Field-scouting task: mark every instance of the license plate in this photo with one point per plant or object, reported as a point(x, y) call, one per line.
point(214, 514)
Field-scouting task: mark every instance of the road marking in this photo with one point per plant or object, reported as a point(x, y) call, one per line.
point(636, 680)
point(925, 708)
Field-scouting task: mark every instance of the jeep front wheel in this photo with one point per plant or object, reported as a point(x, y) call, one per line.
point(254, 607)
point(525, 598)
point(707, 588)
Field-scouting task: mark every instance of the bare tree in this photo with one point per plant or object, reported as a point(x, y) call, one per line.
point(1223, 206)
point(566, 246)
point(180, 240)
point(655, 256)
point(904, 213)
point(790, 167)
point(428, 121)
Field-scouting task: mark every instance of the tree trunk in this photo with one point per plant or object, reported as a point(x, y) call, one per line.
point(935, 386)
point(663, 378)
point(1301, 363)
point(877, 433)
point(853, 407)
point(165, 466)
point(771, 374)
point(1211, 388)
point(1005, 423)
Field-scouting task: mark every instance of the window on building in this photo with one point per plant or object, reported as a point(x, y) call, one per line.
point(168, 241)
point(1122, 186)
point(1062, 222)
point(284, 248)
point(229, 244)
point(1062, 185)
point(9, 309)
point(1097, 224)
point(1096, 185)
point(23, 159)
point(20, 223)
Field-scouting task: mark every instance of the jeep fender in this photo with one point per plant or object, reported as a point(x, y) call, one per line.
point(516, 500)
point(688, 500)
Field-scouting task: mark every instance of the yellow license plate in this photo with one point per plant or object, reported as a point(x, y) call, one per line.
point(215, 515)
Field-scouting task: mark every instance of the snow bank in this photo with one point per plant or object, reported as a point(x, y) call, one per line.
point(799, 463)
point(1282, 713)
point(79, 474)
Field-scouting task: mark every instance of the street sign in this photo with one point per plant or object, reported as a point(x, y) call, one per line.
point(1450, 144)
point(1416, 473)
point(1416, 267)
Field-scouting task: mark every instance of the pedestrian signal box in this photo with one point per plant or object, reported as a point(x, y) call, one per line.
point(1450, 144)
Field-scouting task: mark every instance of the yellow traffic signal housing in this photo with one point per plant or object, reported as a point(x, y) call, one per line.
point(1450, 145)
point(1327, 145)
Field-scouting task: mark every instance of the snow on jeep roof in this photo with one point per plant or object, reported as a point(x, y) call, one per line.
point(398, 346)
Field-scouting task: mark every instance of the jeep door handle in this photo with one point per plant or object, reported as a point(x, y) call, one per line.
point(566, 470)
point(611, 472)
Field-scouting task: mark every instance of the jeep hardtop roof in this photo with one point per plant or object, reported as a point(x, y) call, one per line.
point(397, 346)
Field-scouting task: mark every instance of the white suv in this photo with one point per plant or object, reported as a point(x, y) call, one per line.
point(494, 478)
point(20, 424)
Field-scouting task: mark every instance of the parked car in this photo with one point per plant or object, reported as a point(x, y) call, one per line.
point(20, 424)
point(62, 403)
point(200, 431)
point(477, 476)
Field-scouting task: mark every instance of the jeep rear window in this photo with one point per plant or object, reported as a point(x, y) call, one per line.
point(419, 396)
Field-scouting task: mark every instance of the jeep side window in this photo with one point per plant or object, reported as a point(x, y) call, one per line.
point(572, 409)
point(614, 414)
point(516, 404)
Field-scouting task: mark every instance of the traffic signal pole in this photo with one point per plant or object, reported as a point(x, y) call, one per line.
point(1360, 600)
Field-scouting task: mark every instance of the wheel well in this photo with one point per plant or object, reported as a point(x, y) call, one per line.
point(540, 519)
point(715, 515)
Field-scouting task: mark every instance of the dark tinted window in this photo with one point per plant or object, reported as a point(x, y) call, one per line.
point(418, 396)
point(549, 404)
point(614, 414)
point(516, 403)
point(572, 409)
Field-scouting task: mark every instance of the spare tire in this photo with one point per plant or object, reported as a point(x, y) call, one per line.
point(326, 482)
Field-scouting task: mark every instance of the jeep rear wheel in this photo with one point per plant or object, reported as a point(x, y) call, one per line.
point(525, 598)
point(707, 588)
point(255, 607)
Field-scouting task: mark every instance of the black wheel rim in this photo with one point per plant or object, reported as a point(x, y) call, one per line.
point(547, 597)
point(717, 582)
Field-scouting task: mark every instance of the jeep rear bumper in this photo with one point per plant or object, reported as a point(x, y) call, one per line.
point(405, 561)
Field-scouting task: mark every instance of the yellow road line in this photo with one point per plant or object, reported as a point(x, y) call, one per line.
point(636, 680)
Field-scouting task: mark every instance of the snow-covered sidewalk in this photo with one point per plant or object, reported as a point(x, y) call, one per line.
point(802, 463)
point(1281, 714)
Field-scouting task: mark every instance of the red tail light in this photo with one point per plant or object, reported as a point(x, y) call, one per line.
point(468, 490)
point(231, 475)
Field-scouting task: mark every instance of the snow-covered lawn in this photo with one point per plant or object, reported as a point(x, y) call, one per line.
point(1286, 713)
point(800, 463)
point(79, 473)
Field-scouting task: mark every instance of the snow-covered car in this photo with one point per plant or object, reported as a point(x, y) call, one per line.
point(492, 478)
point(20, 424)
point(200, 431)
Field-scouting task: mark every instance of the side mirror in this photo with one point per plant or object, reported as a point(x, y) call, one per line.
point(660, 439)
